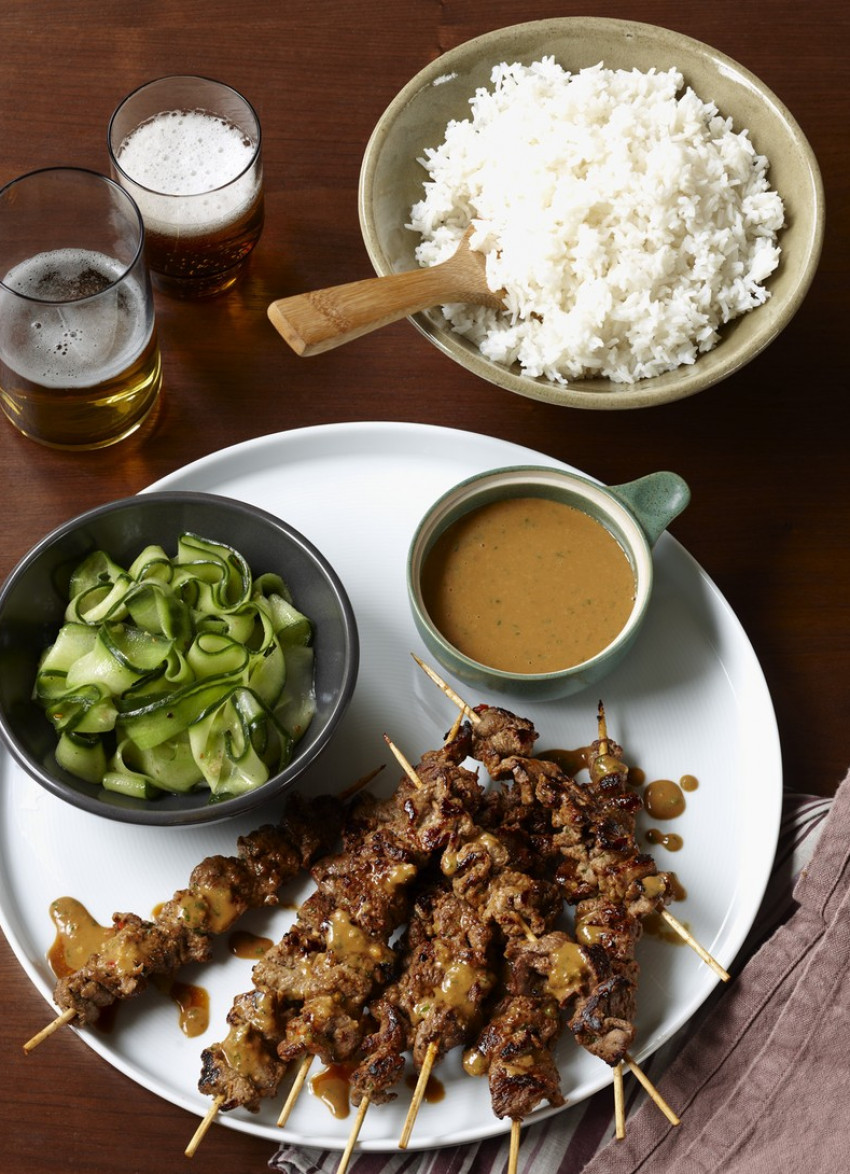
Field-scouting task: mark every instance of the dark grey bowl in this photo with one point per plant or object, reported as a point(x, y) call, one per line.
point(32, 604)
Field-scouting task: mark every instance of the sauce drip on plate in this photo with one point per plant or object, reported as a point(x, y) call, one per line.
point(243, 944)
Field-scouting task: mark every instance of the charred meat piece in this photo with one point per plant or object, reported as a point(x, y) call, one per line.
point(517, 1047)
point(220, 889)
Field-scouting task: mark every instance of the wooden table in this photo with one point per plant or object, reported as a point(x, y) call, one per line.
point(765, 453)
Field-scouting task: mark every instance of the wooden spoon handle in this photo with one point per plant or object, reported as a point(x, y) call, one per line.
point(324, 318)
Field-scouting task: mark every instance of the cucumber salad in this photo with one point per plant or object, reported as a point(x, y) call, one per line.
point(178, 673)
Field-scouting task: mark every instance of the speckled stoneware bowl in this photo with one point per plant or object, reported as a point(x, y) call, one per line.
point(636, 514)
point(391, 181)
point(32, 605)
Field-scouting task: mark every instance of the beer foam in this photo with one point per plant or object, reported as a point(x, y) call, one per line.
point(189, 153)
point(71, 343)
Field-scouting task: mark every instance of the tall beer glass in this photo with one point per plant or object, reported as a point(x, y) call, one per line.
point(79, 360)
point(188, 151)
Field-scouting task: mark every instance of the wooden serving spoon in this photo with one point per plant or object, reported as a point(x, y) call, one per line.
point(325, 318)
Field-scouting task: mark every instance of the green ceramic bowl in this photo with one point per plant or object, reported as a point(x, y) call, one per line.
point(391, 181)
point(636, 514)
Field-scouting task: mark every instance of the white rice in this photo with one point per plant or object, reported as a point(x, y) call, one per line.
point(623, 216)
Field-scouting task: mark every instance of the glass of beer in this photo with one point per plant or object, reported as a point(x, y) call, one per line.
point(188, 151)
point(79, 361)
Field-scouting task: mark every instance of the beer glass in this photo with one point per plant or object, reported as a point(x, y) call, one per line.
point(79, 361)
point(188, 151)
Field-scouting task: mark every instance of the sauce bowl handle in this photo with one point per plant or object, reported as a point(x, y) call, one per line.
point(655, 500)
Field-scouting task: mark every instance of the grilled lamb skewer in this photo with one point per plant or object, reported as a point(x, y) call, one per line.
point(313, 986)
point(220, 889)
point(488, 895)
point(601, 870)
point(447, 974)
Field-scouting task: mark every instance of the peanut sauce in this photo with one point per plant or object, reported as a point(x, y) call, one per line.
point(572, 762)
point(475, 1063)
point(587, 934)
point(663, 799)
point(669, 840)
point(453, 858)
point(244, 1045)
point(221, 912)
point(568, 968)
point(435, 1090)
point(332, 1085)
point(345, 938)
point(78, 936)
point(193, 1004)
point(243, 944)
point(456, 980)
point(528, 585)
point(654, 924)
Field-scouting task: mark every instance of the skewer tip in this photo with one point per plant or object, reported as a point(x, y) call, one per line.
point(465, 709)
point(200, 1132)
point(619, 1103)
point(418, 1094)
point(54, 1025)
point(654, 1095)
point(513, 1152)
point(699, 949)
point(294, 1092)
point(352, 1137)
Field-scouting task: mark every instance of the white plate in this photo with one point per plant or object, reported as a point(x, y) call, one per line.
point(691, 699)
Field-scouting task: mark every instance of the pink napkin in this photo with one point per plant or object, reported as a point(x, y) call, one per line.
point(760, 1077)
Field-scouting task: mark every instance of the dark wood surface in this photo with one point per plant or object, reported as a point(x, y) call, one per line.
point(765, 453)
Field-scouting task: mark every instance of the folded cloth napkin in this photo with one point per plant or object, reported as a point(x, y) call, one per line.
point(760, 1076)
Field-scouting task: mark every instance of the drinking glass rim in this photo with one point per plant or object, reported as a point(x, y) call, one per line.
point(128, 267)
point(170, 77)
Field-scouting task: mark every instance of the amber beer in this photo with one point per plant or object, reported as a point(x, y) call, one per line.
point(71, 374)
point(193, 167)
point(79, 362)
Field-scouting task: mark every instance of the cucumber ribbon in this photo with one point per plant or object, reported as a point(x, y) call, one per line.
point(178, 673)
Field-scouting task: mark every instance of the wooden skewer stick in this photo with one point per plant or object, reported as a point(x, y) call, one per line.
point(200, 1132)
point(654, 1094)
point(359, 784)
point(58, 1022)
point(465, 709)
point(602, 729)
point(352, 1137)
point(403, 763)
point(688, 937)
point(619, 1106)
point(513, 1151)
point(418, 1094)
point(297, 1085)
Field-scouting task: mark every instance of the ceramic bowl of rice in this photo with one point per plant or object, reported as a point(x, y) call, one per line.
point(652, 213)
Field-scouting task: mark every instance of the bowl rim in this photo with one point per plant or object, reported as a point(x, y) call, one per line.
point(466, 495)
point(600, 394)
point(134, 812)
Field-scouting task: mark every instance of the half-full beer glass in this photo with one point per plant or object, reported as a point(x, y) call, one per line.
point(79, 361)
point(188, 151)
